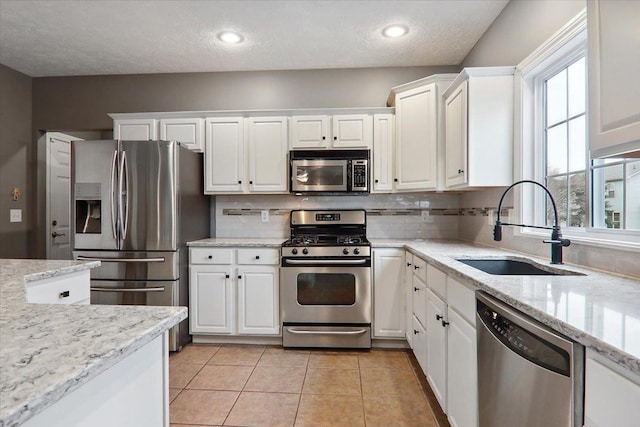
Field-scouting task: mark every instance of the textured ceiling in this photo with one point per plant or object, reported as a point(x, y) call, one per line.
point(63, 38)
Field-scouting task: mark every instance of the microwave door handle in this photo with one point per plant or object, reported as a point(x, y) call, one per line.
point(112, 188)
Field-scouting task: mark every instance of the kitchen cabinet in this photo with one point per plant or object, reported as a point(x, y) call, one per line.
point(71, 288)
point(479, 128)
point(344, 131)
point(188, 131)
point(418, 133)
point(613, 70)
point(388, 293)
point(383, 153)
point(611, 399)
point(415, 277)
point(408, 296)
point(436, 370)
point(246, 155)
point(234, 291)
point(140, 129)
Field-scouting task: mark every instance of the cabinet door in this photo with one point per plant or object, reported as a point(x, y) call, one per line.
point(462, 372)
point(416, 139)
point(135, 129)
point(268, 169)
point(437, 347)
point(224, 155)
point(419, 299)
point(352, 131)
point(455, 113)
point(308, 132)
point(419, 344)
point(211, 299)
point(388, 293)
point(383, 153)
point(614, 88)
point(408, 295)
point(189, 132)
point(258, 312)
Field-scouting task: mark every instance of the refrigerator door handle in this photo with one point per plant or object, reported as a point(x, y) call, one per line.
point(114, 165)
point(123, 190)
point(102, 259)
point(144, 290)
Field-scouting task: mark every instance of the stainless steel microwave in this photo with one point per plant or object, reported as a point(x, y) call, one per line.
point(329, 171)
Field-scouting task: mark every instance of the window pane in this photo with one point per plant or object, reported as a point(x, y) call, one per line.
point(577, 87)
point(558, 188)
point(607, 196)
point(557, 98)
point(557, 150)
point(577, 200)
point(577, 144)
point(633, 196)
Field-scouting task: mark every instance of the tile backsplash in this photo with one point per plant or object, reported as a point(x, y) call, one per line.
point(389, 215)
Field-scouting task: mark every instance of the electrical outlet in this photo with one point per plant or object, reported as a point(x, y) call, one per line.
point(426, 217)
point(15, 215)
point(265, 216)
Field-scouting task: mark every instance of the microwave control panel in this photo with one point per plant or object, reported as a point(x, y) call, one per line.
point(359, 172)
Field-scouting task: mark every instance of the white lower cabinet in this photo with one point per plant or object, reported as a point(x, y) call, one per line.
point(234, 291)
point(462, 375)
point(419, 343)
point(611, 399)
point(388, 293)
point(72, 288)
point(436, 371)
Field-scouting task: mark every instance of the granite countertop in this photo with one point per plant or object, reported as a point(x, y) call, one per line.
point(599, 310)
point(48, 351)
point(237, 242)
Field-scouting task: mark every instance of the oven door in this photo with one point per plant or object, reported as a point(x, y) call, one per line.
point(335, 293)
point(322, 175)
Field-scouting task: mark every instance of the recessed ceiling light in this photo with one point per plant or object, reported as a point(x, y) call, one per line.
point(395, 30)
point(230, 37)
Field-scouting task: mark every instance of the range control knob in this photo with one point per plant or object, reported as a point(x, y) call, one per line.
point(356, 251)
point(294, 251)
point(305, 251)
point(345, 251)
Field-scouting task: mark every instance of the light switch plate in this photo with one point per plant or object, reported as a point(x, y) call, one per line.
point(15, 215)
point(265, 216)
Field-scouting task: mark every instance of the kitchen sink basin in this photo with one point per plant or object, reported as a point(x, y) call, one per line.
point(510, 267)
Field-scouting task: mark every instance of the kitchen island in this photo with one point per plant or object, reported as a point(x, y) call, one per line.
point(52, 356)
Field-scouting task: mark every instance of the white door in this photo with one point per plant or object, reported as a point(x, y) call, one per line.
point(189, 132)
point(224, 155)
point(258, 312)
point(309, 132)
point(268, 144)
point(462, 372)
point(58, 169)
point(436, 347)
point(352, 131)
point(388, 293)
point(408, 296)
point(419, 344)
point(383, 153)
point(456, 137)
point(135, 129)
point(211, 299)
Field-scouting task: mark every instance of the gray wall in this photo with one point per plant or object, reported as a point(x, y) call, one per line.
point(16, 150)
point(521, 27)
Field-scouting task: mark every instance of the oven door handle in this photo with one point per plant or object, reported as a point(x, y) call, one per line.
point(325, 261)
point(311, 332)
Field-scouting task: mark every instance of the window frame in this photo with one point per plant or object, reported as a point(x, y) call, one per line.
point(561, 50)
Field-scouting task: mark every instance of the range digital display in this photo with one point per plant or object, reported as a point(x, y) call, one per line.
point(328, 217)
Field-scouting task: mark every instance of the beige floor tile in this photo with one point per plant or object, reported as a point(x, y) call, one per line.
point(380, 360)
point(284, 358)
point(398, 411)
point(190, 425)
point(389, 382)
point(220, 377)
point(330, 410)
point(336, 361)
point(181, 373)
point(274, 379)
point(237, 355)
point(332, 381)
point(173, 393)
point(264, 410)
point(206, 407)
point(194, 353)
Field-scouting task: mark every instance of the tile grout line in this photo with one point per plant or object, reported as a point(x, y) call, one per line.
point(243, 387)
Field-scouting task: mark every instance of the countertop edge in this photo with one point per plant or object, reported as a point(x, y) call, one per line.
point(61, 271)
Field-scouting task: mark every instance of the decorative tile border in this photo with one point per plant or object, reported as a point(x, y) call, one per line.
point(383, 212)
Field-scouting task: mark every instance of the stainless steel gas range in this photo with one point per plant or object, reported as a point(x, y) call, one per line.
point(325, 280)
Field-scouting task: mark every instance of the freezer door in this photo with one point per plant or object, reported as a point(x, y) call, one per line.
point(122, 265)
point(148, 188)
point(94, 179)
point(152, 293)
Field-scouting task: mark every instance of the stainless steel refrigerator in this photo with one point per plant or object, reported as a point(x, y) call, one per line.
point(134, 206)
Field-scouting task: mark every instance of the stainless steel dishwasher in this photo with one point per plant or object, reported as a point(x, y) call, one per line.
point(528, 375)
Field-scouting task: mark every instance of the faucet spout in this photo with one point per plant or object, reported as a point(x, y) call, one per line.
point(556, 241)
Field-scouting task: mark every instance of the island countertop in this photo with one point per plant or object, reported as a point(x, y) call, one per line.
point(47, 351)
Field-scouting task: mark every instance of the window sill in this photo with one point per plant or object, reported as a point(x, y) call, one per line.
point(624, 241)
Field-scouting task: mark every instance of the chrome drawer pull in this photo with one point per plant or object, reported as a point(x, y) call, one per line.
point(308, 332)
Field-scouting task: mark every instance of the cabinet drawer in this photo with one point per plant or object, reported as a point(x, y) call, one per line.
point(420, 268)
point(462, 299)
point(258, 256)
point(68, 289)
point(210, 256)
point(437, 281)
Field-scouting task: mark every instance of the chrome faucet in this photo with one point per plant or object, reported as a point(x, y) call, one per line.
point(556, 241)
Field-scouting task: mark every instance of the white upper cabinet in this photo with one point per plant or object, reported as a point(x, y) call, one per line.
point(135, 129)
point(188, 131)
point(383, 153)
point(338, 131)
point(613, 70)
point(268, 169)
point(479, 128)
point(224, 155)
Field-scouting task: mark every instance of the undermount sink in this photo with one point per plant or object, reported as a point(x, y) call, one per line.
point(510, 267)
